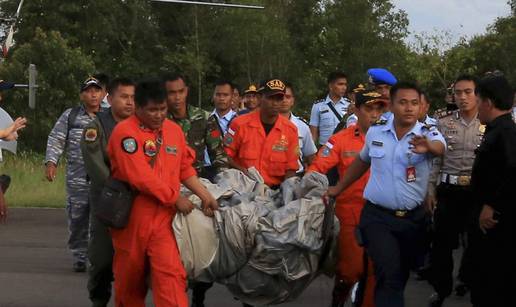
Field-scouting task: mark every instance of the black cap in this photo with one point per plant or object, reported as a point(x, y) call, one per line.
point(90, 82)
point(272, 87)
point(4, 85)
point(368, 97)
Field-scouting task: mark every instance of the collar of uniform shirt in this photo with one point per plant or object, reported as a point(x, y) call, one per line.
point(342, 100)
point(390, 126)
point(228, 116)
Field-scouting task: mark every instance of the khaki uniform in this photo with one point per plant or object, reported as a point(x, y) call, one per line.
point(450, 183)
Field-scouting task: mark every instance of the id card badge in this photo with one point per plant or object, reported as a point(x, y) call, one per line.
point(411, 174)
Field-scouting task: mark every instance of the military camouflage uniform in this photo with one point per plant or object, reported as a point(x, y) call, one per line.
point(60, 138)
point(100, 249)
point(202, 134)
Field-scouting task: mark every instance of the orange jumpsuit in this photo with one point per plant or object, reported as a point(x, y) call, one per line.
point(341, 149)
point(272, 155)
point(147, 243)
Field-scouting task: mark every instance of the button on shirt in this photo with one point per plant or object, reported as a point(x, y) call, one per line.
point(390, 160)
point(306, 142)
point(323, 117)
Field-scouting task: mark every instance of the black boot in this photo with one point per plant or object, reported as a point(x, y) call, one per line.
point(340, 293)
point(199, 293)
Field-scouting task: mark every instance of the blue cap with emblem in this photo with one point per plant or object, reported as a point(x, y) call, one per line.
point(381, 76)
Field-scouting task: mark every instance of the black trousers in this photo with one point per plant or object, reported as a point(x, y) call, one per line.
point(493, 283)
point(394, 245)
point(452, 217)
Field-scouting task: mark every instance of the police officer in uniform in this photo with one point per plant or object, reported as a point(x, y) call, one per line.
point(392, 224)
point(382, 80)
point(93, 145)
point(250, 100)
point(307, 149)
point(66, 135)
point(493, 180)
point(423, 114)
point(201, 130)
point(449, 191)
point(223, 99)
point(327, 113)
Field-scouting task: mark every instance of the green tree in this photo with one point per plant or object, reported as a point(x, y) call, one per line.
point(61, 70)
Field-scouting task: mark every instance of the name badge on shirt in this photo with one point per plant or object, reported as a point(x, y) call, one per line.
point(411, 174)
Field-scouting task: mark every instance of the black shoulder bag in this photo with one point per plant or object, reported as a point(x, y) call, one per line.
point(116, 199)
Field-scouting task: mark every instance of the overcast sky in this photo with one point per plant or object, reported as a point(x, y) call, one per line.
point(461, 17)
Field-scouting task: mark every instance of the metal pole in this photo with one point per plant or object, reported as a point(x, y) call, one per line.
point(242, 6)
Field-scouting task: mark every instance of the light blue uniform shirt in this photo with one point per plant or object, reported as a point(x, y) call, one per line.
point(390, 158)
point(224, 122)
point(386, 116)
point(324, 119)
point(430, 121)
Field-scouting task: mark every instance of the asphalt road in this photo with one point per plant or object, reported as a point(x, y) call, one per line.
point(35, 269)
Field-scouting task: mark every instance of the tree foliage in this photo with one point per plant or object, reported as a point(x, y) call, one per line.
point(298, 40)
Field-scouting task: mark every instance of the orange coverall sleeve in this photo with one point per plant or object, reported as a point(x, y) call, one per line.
point(187, 160)
point(134, 169)
point(326, 158)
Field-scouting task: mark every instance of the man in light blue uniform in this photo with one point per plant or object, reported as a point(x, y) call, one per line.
point(423, 112)
point(327, 113)
point(393, 221)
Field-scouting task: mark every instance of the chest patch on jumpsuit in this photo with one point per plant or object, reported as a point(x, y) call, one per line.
point(129, 145)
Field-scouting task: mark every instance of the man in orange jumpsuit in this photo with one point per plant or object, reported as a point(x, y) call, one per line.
point(264, 139)
point(341, 149)
point(147, 243)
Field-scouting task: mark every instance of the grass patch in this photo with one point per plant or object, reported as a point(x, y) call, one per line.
point(29, 187)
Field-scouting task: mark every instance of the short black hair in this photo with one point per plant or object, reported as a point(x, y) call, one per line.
point(103, 79)
point(423, 94)
point(497, 89)
point(150, 91)
point(291, 87)
point(222, 82)
point(466, 77)
point(174, 77)
point(115, 83)
point(404, 85)
point(333, 76)
point(237, 88)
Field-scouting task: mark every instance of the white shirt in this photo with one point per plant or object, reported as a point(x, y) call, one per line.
point(306, 142)
point(323, 117)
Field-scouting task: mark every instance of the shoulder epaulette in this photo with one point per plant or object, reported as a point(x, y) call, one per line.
point(428, 126)
point(442, 113)
point(380, 122)
point(303, 120)
point(319, 100)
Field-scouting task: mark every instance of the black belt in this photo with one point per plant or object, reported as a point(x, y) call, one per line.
point(396, 213)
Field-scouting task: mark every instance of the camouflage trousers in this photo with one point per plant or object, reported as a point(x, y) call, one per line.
point(78, 211)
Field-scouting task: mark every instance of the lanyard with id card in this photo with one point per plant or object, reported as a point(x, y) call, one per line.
point(411, 169)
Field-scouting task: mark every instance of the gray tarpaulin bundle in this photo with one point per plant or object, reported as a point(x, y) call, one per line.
point(266, 246)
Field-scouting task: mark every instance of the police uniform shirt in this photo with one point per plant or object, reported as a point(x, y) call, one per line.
point(386, 116)
point(462, 140)
point(225, 120)
point(351, 120)
point(430, 121)
point(323, 117)
point(390, 161)
point(306, 143)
